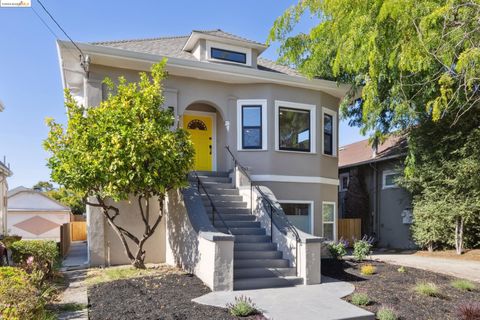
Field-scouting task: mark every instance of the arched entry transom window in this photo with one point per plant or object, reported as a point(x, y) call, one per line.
point(197, 124)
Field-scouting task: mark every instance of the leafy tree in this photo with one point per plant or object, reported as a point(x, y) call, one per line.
point(43, 186)
point(124, 147)
point(416, 60)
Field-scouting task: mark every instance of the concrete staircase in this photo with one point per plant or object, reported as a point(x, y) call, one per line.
point(257, 262)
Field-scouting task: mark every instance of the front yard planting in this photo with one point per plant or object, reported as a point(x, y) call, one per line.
point(407, 294)
point(158, 292)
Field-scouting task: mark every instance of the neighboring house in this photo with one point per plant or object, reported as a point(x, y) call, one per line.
point(280, 125)
point(368, 191)
point(5, 172)
point(33, 215)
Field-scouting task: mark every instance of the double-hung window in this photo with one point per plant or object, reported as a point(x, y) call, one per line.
point(295, 127)
point(329, 132)
point(252, 131)
point(329, 220)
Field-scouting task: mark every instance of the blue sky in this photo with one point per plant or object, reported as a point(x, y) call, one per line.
point(30, 83)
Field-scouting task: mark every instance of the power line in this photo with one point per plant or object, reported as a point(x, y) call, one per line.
point(60, 27)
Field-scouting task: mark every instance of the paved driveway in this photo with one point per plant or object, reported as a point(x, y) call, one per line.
point(458, 268)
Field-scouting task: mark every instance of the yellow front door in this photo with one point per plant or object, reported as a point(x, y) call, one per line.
point(200, 128)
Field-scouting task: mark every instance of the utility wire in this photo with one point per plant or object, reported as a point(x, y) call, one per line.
point(60, 27)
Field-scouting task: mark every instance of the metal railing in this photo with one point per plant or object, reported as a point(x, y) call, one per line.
point(214, 209)
point(272, 209)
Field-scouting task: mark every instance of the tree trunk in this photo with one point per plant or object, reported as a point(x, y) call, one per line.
point(137, 260)
point(430, 247)
point(459, 235)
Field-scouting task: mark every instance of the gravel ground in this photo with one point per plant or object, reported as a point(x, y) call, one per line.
point(390, 288)
point(166, 297)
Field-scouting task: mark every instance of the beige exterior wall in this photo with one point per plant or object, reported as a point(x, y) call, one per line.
point(30, 222)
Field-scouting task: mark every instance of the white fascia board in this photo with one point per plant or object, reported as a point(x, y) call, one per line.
point(196, 36)
point(203, 70)
point(294, 179)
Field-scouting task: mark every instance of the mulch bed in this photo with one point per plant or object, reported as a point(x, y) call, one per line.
point(390, 288)
point(166, 297)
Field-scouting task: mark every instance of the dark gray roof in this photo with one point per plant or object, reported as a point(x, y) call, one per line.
point(173, 47)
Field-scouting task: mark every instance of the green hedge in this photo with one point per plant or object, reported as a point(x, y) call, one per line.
point(38, 254)
point(19, 298)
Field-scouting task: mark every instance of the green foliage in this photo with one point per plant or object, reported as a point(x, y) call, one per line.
point(69, 198)
point(242, 307)
point(361, 249)
point(402, 269)
point(386, 314)
point(464, 285)
point(35, 255)
point(360, 299)
point(415, 59)
point(337, 249)
point(9, 239)
point(427, 289)
point(43, 186)
point(19, 298)
point(123, 147)
point(368, 270)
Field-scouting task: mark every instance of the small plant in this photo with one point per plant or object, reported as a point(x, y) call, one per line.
point(402, 269)
point(35, 255)
point(360, 299)
point(338, 249)
point(368, 270)
point(464, 285)
point(427, 289)
point(362, 248)
point(468, 311)
point(242, 307)
point(386, 314)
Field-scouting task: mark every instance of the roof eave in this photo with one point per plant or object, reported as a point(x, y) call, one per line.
point(142, 61)
point(356, 164)
point(195, 36)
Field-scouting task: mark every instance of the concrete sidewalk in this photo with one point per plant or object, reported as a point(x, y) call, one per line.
point(77, 256)
point(458, 268)
point(313, 302)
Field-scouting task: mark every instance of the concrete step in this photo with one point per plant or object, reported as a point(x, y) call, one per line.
point(222, 197)
point(255, 246)
point(220, 191)
point(227, 210)
point(216, 186)
point(243, 273)
point(251, 238)
point(206, 179)
point(232, 217)
point(260, 263)
point(239, 224)
point(229, 204)
point(213, 173)
point(244, 231)
point(271, 282)
point(270, 254)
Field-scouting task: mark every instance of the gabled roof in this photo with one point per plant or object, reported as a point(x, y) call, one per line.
point(4, 169)
point(174, 46)
point(361, 152)
point(32, 201)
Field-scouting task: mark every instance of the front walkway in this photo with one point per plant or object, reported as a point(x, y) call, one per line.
point(458, 268)
point(313, 302)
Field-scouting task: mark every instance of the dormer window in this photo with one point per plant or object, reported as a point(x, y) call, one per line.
point(227, 55)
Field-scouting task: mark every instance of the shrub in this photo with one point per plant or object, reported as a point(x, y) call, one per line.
point(360, 299)
point(464, 285)
point(427, 289)
point(468, 311)
point(368, 270)
point(337, 249)
point(35, 255)
point(242, 307)
point(361, 249)
point(386, 314)
point(8, 240)
point(402, 269)
point(19, 299)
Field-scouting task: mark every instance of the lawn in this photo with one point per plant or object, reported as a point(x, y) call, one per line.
point(412, 293)
point(156, 293)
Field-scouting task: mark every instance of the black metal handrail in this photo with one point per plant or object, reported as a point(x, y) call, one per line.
point(214, 209)
point(273, 209)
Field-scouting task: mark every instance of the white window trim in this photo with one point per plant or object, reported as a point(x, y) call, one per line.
point(342, 175)
point(335, 235)
point(385, 173)
point(249, 102)
point(302, 106)
point(311, 213)
point(335, 130)
point(247, 51)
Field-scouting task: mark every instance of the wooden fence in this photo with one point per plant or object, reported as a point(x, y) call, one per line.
point(349, 229)
point(78, 230)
